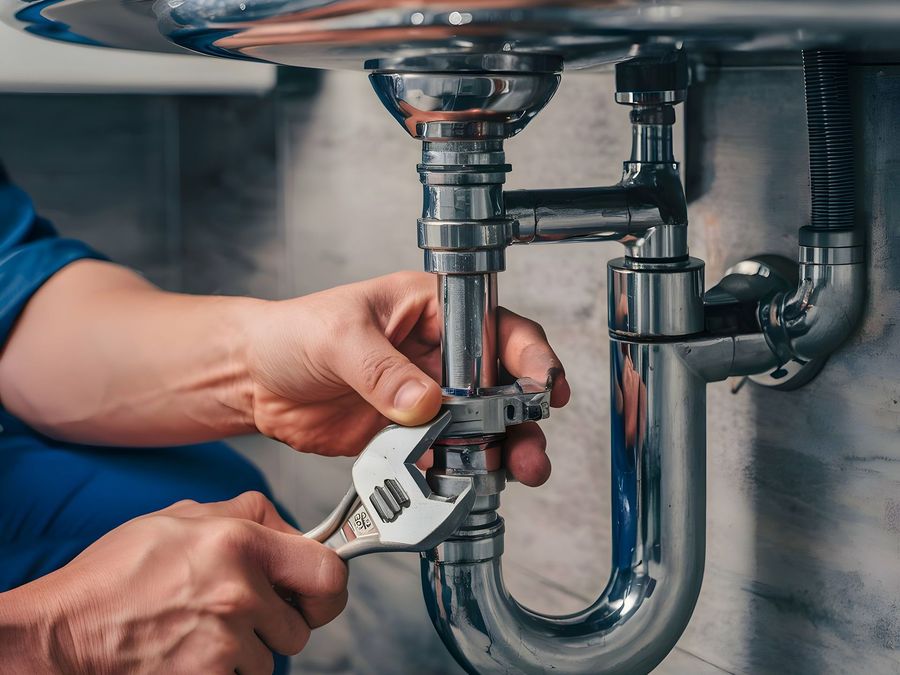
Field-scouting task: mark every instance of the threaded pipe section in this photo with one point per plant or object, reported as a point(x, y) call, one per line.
point(826, 80)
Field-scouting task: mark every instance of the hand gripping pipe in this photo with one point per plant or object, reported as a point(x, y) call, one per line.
point(667, 340)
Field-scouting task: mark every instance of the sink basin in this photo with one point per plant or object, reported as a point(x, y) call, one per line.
point(358, 34)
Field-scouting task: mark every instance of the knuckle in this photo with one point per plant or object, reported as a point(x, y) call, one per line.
point(228, 536)
point(232, 598)
point(180, 507)
point(378, 368)
point(256, 503)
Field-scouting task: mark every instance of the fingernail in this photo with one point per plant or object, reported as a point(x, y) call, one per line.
point(552, 375)
point(409, 395)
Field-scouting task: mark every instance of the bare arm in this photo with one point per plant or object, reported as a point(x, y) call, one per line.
point(100, 355)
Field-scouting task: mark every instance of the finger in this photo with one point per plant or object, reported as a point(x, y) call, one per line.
point(281, 626)
point(254, 657)
point(253, 506)
point(319, 611)
point(297, 564)
point(525, 352)
point(525, 454)
point(386, 379)
point(405, 296)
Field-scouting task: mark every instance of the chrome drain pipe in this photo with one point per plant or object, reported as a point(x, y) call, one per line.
point(668, 339)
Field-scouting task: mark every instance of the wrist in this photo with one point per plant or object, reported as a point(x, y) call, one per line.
point(28, 624)
point(236, 395)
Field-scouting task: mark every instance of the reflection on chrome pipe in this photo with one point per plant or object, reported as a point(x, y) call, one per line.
point(469, 330)
point(658, 514)
point(577, 214)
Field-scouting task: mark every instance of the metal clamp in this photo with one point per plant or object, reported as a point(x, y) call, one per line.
point(492, 410)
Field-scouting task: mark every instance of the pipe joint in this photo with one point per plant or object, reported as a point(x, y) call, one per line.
point(813, 320)
point(646, 212)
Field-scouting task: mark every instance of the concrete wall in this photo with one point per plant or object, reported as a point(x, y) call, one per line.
point(316, 186)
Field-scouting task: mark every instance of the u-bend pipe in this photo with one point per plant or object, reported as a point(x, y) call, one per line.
point(658, 512)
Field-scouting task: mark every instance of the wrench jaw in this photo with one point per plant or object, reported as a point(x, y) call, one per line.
point(391, 506)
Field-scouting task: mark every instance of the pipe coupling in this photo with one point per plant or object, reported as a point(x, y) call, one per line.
point(479, 539)
point(655, 300)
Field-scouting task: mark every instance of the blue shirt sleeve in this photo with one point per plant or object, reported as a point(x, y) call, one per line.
point(30, 253)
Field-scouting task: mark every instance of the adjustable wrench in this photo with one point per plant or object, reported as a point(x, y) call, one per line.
point(390, 507)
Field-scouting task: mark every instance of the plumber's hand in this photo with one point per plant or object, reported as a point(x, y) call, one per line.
point(193, 588)
point(330, 369)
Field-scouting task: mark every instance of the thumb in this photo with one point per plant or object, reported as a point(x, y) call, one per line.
point(389, 381)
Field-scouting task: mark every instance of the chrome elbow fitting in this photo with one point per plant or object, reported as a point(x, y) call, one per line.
point(810, 322)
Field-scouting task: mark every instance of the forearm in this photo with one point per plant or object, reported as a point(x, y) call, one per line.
point(101, 356)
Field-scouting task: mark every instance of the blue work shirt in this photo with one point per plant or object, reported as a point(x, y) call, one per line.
point(56, 498)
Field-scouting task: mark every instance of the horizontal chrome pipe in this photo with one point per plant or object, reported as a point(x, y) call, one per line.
point(646, 212)
point(573, 214)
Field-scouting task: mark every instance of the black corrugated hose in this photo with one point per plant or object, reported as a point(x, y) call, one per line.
point(826, 80)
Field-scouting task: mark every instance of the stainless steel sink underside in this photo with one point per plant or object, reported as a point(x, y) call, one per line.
point(357, 34)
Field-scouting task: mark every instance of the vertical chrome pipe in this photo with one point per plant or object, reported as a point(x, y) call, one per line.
point(651, 143)
point(469, 330)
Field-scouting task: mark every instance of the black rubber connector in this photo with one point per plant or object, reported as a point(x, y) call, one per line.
point(666, 71)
